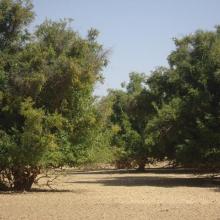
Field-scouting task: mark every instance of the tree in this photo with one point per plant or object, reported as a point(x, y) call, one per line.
point(15, 15)
point(131, 110)
point(48, 115)
point(174, 113)
point(185, 128)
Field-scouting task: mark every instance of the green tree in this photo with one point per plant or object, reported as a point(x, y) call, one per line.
point(48, 115)
point(185, 128)
point(131, 110)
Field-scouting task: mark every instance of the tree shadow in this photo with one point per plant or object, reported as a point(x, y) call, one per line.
point(217, 189)
point(39, 190)
point(101, 171)
point(156, 181)
point(128, 171)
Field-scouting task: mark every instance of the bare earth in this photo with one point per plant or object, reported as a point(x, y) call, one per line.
point(155, 194)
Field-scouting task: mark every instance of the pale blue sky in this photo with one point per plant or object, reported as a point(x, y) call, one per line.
point(138, 32)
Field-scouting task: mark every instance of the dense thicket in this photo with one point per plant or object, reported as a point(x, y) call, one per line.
point(131, 109)
point(48, 116)
point(186, 127)
point(174, 113)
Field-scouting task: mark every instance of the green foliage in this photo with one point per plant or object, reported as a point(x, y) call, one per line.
point(50, 118)
point(186, 126)
point(48, 115)
point(15, 15)
point(130, 112)
point(173, 113)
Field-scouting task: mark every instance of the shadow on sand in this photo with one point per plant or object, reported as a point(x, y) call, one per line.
point(134, 171)
point(156, 181)
point(159, 178)
point(155, 177)
point(124, 171)
point(39, 190)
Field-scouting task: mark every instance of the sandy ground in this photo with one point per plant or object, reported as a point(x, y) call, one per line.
point(155, 194)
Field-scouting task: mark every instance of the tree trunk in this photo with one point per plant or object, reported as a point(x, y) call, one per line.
point(141, 165)
point(24, 178)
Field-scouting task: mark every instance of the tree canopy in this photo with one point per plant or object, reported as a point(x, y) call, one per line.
point(174, 112)
point(49, 116)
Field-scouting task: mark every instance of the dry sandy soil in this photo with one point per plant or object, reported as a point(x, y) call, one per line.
point(110, 194)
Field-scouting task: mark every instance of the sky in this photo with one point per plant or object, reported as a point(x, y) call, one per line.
point(138, 33)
